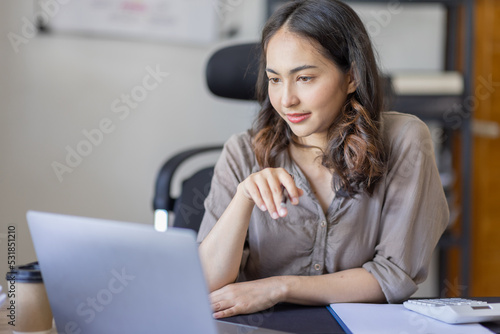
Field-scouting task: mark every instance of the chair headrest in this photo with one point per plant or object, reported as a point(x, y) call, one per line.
point(231, 72)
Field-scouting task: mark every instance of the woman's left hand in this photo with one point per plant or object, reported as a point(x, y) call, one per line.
point(246, 297)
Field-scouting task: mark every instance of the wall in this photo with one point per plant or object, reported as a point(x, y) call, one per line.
point(58, 89)
point(59, 86)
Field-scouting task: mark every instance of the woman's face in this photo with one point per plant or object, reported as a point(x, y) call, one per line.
point(305, 88)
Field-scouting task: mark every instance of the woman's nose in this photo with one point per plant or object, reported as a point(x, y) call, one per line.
point(289, 97)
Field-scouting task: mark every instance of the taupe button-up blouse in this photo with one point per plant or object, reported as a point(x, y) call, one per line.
point(391, 233)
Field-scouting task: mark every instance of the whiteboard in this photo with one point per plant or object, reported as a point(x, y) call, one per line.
point(191, 21)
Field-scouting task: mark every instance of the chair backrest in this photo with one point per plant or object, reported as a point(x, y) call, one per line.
point(231, 72)
point(189, 206)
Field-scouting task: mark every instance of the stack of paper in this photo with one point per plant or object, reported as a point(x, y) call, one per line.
point(394, 319)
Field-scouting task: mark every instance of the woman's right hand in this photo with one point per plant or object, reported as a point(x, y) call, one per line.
point(265, 188)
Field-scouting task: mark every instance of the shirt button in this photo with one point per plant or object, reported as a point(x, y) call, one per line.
point(323, 223)
point(317, 266)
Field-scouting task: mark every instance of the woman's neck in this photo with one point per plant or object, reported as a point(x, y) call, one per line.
point(307, 154)
point(317, 142)
point(308, 159)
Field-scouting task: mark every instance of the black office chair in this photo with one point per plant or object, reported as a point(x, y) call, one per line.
point(231, 72)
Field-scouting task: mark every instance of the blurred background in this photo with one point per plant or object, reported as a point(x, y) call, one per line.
point(92, 107)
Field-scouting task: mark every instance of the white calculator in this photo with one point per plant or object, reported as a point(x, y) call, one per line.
point(455, 310)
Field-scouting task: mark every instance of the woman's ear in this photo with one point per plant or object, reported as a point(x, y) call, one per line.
point(352, 79)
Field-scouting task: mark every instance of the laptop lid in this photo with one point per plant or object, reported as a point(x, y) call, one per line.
point(105, 276)
point(114, 277)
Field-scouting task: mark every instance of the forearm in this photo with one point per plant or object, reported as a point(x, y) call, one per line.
point(352, 285)
point(222, 249)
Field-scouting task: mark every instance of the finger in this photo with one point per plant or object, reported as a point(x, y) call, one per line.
point(225, 313)
point(254, 193)
point(224, 309)
point(292, 190)
point(277, 190)
point(301, 192)
point(216, 296)
point(274, 179)
point(267, 195)
point(221, 305)
point(284, 199)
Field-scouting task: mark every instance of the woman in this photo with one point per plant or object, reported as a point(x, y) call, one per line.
point(327, 199)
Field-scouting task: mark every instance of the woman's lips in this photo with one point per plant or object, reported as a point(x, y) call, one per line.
point(298, 117)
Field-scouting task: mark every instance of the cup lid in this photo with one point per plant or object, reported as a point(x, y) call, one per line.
point(27, 273)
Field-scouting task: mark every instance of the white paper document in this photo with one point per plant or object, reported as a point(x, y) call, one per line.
point(394, 319)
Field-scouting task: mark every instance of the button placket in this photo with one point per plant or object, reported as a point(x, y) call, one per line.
point(318, 258)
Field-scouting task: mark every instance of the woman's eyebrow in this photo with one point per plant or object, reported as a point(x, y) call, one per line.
point(293, 70)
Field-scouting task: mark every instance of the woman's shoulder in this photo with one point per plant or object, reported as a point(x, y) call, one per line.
point(240, 141)
point(395, 120)
point(399, 127)
point(407, 142)
point(239, 147)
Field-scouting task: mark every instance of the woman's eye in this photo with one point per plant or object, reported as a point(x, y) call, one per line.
point(274, 80)
point(305, 79)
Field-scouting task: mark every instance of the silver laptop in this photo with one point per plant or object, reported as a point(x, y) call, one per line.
point(107, 276)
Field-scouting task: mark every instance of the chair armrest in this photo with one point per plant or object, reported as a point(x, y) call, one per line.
point(162, 199)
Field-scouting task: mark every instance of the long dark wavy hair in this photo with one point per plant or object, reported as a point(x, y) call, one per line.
point(355, 151)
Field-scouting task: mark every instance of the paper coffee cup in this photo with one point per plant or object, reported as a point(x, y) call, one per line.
point(29, 305)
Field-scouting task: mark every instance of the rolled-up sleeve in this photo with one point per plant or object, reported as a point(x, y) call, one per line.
point(414, 214)
point(233, 166)
point(235, 163)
